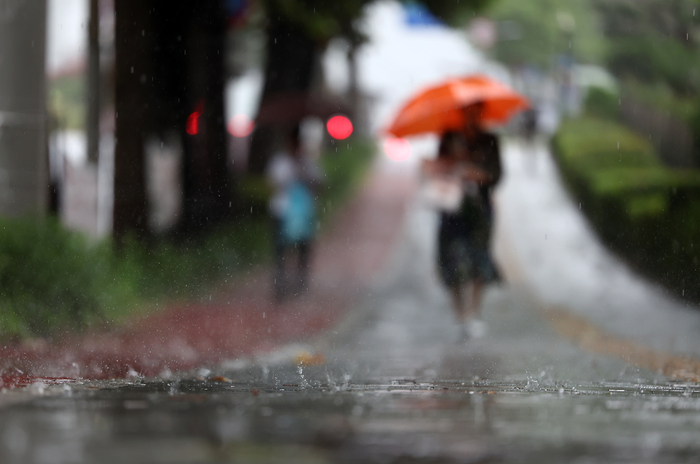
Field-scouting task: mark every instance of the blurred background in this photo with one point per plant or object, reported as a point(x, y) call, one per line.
point(134, 135)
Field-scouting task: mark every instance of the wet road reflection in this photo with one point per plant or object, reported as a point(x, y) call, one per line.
point(193, 420)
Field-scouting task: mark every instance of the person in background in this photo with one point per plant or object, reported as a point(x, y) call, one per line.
point(294, 179)
point(529, 135)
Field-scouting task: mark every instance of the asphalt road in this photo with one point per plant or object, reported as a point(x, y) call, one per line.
point(391, 384)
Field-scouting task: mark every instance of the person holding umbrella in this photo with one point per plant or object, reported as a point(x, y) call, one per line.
point(459, 109)
point(484, 157)
point(470, 158)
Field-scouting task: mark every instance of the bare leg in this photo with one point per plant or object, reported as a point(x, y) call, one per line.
point(476, 327)
point(459, 300)
point(474, 309)
point(304, 249)
point(280, 273)
point(457, 293)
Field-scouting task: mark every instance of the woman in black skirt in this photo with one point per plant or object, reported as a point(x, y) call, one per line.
point(464, 261)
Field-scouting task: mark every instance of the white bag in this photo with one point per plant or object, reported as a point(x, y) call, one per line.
point(444, 193)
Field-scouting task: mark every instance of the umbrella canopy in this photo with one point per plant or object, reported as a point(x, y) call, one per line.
point(439, 108)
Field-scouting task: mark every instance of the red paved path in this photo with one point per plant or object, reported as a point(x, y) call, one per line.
point(241, 320)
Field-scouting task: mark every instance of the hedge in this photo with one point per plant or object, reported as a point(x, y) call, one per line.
point(647, 213)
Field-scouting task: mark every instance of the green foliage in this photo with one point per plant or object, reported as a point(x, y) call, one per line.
point(661, 96)
point(320, 19)
point(591, 145)
point(66, 100)
point(602, 103)
point(183, 270)
point(51, 278)
point(655, 59)
point(694, 123)
point(646, 212)
point(653, 41)
point(534, 31)
point(456, 13)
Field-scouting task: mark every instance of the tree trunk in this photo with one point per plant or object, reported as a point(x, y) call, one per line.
point(206, 180)
point(291, 57)
point(131, 75)
point(170, 63)
point(92, 122)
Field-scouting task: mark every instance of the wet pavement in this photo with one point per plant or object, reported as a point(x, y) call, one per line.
point(389, 384)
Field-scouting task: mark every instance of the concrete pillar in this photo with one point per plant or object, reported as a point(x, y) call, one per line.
point(23, 189)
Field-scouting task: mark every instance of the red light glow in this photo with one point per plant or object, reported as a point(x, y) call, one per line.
point(397, 149)
point(240, 126)
point(339, 127)
point(192, 126)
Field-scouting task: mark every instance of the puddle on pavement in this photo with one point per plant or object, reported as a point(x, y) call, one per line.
point(230, 419)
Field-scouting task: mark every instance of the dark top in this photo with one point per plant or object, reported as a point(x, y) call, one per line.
point(486, 154)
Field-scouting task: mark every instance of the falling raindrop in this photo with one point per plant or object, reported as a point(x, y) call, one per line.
point(300, 370)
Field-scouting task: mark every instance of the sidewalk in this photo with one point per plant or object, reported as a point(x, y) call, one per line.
point(241, 320)
point(547, 246)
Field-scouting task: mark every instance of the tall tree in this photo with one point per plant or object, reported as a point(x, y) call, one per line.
point(169, 69)
point(92, 122)
point(132, 67)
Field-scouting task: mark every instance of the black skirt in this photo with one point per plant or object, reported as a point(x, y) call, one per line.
point(463, 248)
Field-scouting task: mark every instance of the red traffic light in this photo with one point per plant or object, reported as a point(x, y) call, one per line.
point(192, 126)
point(339, 127)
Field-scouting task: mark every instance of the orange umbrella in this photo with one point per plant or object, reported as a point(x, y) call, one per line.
point(439, 108)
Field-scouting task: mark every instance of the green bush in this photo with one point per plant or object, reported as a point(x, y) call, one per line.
point(646, 212)
point(593, 145)
point(654, 58)
point(602, 103)
point(694, 124)
point(51, 278)
point(177, 270)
